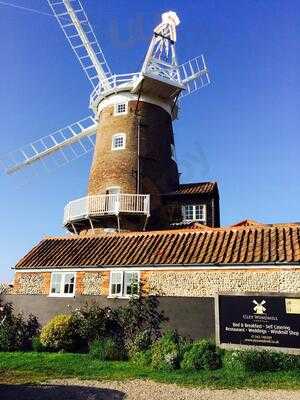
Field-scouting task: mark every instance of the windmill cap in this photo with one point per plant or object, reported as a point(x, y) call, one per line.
point(170, 17)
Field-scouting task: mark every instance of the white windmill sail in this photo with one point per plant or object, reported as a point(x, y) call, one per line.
point(79, 33)
point(193, 75)
point(68, 144)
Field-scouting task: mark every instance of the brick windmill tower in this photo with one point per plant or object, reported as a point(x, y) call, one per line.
point(134, 167)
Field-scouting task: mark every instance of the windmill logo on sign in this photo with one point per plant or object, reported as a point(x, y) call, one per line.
point(259, 308)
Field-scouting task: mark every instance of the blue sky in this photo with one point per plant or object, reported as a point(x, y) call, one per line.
point(242, 130)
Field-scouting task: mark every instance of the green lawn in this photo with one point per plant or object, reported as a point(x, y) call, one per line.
point(38, 367)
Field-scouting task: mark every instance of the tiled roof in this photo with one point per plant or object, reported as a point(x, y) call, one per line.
point(251, 222)
point(247, 222)
point(196, 188)
point(252, 244)
point(187, 225)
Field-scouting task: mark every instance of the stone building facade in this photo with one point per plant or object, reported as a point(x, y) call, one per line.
point(202, 282)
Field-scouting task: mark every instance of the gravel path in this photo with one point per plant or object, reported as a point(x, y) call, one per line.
point(73, 389)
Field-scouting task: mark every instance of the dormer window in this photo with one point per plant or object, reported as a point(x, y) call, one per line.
point(120, 109)
point(194, 212)
point(118, 141)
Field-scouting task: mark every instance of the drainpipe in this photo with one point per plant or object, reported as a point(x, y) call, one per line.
point(138, 155)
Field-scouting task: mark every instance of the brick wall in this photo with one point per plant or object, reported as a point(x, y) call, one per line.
point(117, 168)
point(158, 171)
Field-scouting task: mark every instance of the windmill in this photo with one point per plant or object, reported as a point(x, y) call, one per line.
point(130, 128)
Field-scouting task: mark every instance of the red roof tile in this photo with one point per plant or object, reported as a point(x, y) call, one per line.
point(251, 244)
point(196, 188)
point(247, 222)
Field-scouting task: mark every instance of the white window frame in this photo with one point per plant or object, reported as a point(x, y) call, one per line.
point(118, 135)
point(194, 213)
point(116, 112)
point(122, 294)
point(62, 284)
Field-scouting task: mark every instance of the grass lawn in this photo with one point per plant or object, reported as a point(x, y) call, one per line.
point(40, 367)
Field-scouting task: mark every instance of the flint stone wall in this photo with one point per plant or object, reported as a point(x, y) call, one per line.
point(183, 283)
point(31, 283)
point(207, 283)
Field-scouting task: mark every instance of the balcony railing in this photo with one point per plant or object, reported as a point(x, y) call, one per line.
point(106, 204)
point(121, 81)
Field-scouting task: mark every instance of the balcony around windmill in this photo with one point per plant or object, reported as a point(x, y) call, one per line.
point(107, 211)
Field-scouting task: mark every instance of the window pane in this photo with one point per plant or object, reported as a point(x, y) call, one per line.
point(116, 282)
point(199, 212)
point(118, 142)
point(56, 283)
point(116, 288)
point(188, 212)
point(69, 283)
point(121, 108)
point(194, 212)
point(131, 283)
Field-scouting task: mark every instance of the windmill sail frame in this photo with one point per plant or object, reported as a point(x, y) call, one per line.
point(47, 145)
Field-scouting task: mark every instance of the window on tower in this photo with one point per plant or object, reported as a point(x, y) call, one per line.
point(120, 109)
point(118, 141)
point(194, 212)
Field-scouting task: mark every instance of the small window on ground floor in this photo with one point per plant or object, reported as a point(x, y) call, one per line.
point(124, 283)
point(194, 212)
point(62, 284)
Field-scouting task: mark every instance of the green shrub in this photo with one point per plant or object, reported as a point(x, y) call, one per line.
point(97, 350)
point(259, 361)
point(96, 323)
point(142, 358)
point(133, 327)
point(16, 333)
point(141, 342)
point(59, 334)
point(7, 342)
point(233, 362)
point(167, 352)
point(202, 354)
point(37, 345)
point(106, 350)
point(286, 362)
point(141, 314)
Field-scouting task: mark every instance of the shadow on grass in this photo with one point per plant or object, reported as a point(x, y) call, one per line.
point(57, 392)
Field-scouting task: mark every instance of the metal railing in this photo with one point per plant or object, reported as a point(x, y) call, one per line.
point(124, 81)
point(106, 204)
